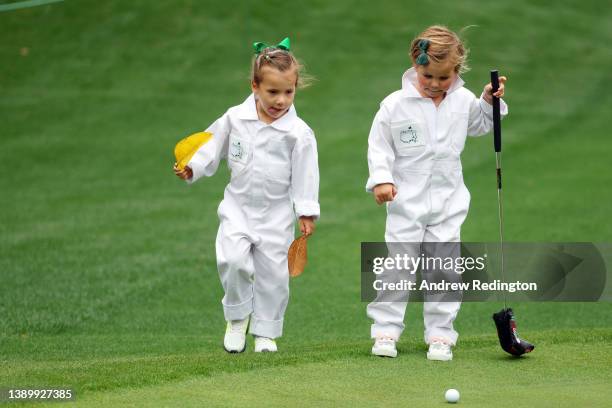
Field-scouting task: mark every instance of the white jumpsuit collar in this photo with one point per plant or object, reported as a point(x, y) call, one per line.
point(410, 78)
point(248, 111)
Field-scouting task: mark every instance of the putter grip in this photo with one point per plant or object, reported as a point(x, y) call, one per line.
point(496, 115)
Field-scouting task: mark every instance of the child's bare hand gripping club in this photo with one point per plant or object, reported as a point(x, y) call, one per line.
point(384, 192)
point(488, 90)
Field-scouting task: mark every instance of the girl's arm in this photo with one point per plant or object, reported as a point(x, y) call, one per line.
point(305, 177)
point(481, 110)
point(381, 155)
point(206, 160)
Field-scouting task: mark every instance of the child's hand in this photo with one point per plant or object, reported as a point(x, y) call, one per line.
point(185, 174)
point(384, 192)
point(488, 95)
point(307, 226)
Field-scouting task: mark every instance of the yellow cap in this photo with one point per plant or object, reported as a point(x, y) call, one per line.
point(186, 148)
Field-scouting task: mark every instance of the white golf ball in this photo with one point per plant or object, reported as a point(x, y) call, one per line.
point(452, 395)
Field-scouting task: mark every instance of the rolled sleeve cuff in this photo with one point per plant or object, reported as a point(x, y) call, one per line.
point(307, 209)
point(488, 109)
point(198, 168)
point(375, 179)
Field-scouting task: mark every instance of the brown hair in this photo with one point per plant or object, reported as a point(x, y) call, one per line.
point(281, 60)
point(443, 44)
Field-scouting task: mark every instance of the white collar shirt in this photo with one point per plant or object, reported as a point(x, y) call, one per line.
point(410, 133)
point(268, 162)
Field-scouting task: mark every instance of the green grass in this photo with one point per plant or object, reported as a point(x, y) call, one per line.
point(108, 277)
point(411, 381)
point(569, 366)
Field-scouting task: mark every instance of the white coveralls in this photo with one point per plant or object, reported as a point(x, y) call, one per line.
point(416, 146)
point(274, 177)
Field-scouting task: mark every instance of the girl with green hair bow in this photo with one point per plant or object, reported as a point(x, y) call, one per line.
point(272, 157)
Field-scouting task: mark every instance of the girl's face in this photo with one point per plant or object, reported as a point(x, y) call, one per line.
point(435, 78)
point(274, 93)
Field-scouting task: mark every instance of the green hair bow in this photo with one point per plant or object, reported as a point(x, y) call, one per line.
point(422, 59)
point(283, 45)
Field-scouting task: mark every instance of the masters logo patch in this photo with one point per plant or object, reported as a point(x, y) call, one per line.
point(409, 135)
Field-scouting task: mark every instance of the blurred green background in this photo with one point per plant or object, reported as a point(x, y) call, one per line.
point(107, 260)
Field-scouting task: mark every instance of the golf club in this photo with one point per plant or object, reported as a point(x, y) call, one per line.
point(504, 319)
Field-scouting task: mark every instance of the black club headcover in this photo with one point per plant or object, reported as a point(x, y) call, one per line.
point(508, 337)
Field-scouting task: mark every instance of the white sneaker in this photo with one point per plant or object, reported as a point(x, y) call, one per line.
point(384, 346)
point(439, 350)
point(265, 344)
point(235, 336)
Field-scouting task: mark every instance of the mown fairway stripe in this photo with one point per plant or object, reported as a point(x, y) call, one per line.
point(26, 4)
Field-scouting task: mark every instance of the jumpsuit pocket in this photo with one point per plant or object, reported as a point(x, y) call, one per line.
point(238, 154)
point(458, 130)
point(279, 148)
point(278, 179)
point(409, 137)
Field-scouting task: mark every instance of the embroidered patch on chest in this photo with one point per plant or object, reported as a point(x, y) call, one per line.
point(238, 150)
point(409, 135)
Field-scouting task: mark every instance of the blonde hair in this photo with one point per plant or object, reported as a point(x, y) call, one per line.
point(444, 44)
point(283, 61)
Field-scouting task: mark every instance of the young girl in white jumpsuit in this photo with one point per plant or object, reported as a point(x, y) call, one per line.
point(272, 156)
point(414, 162)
